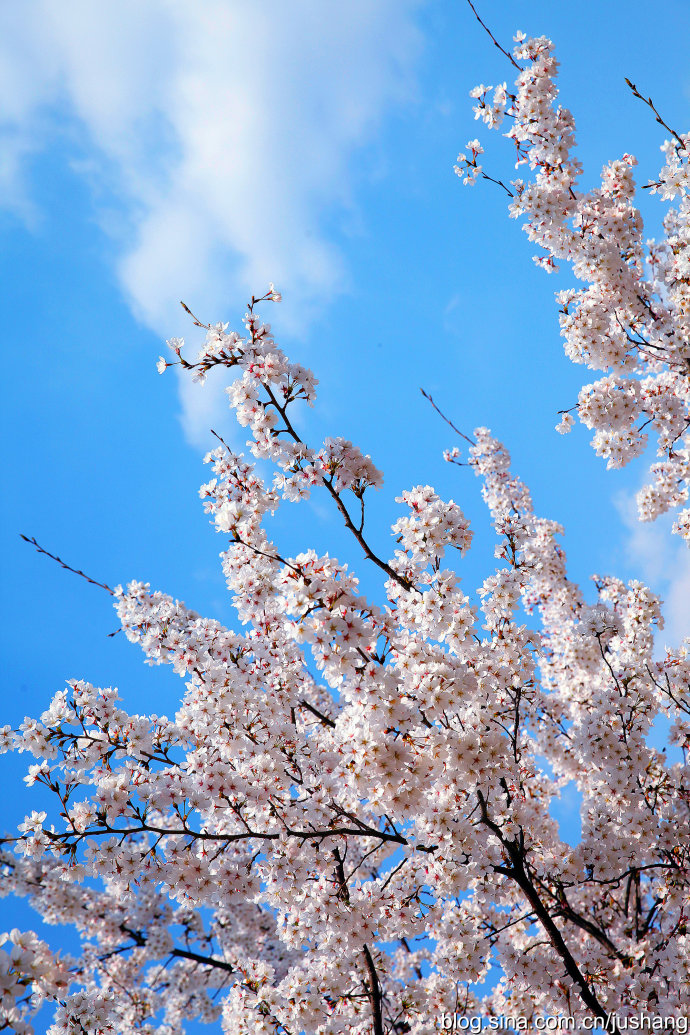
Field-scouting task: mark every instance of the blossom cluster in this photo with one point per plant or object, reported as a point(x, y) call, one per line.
point(29, 973)
point(632, 317)
point(261, 397)
point(347, 821)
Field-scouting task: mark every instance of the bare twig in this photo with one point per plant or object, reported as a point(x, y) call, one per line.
point(499, 183)
point(221, 440)
point(68, 567)
point(650, 103)
point(493, 38)
point(447, 420)
point(198, 322)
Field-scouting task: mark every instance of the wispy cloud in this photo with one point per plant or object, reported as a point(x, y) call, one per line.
point(663, 562)
point(219, 137)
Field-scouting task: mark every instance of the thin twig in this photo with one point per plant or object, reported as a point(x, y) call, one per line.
point(221, 440)
point(198, 322)
point(68, 567)
point(446, 419)
point(499, 183)
point(650, 103)
point(495, 41)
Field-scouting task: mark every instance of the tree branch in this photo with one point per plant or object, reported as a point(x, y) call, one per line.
point(518, 872)
point(374, 992)
point(493, 38)
point(68, 567)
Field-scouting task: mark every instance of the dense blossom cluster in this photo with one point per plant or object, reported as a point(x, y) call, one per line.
point(347, 822)
point(632, 319)
point(27, 963)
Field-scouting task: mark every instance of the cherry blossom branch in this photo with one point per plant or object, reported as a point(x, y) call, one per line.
point(566, 910)
point(68, 842)
point(232, 360)
point(349, 523)
point(519, 873)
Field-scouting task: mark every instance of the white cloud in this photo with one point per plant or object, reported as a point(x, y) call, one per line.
point(217, 136)
point(662, 561)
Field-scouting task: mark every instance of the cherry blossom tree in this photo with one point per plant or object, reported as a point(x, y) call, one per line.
point(346, 824)
point(632, 321)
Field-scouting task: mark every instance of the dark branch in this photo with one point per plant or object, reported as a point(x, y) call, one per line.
point(518, 872)
point(68, 567)
point(447, 420)
point(374, 992)
point(319, 715)
point(493, 38)
point(650, 103)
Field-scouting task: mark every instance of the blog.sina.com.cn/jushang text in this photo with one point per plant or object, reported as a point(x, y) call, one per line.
point(641, 1022)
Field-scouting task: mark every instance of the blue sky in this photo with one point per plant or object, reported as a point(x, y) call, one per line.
point(170, 150)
